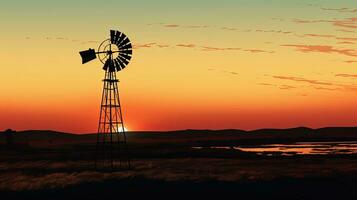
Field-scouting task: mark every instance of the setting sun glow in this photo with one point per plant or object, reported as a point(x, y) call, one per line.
point(236, 68)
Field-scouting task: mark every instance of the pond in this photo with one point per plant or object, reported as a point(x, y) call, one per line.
point(300, 148)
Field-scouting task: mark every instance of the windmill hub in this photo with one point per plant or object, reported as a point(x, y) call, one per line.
point(115, 54)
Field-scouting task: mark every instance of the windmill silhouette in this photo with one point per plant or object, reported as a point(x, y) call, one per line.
point(115, 54)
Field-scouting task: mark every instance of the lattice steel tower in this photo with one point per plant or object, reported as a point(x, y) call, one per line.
point(111, 148)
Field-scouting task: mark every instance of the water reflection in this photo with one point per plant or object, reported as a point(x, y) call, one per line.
point(303, 148)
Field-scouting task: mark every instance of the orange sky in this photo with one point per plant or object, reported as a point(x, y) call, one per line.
point(203, 65)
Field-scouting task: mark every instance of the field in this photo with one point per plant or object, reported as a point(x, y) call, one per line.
point(51, 165)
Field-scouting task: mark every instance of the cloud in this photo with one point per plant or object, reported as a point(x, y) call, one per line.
point(325, 88)
point(351, 10)
point(89, 41)
point(345, 23)
point(257, 51)
point(282, 87)
point(298, 79)
point(234, 73)
point(171, 25)
point(273, 31)
point(346, 31)
point(345, 40)
point(163, 45)
point(147, 45)
point(347, 75)
point(177, 25)
point(202, 48)
point(225, 28)
point(266, 84)
point(350, 61)
point(229, 29)
point(286, 87)
point(196, 26)
point(317, 35)
point(278, 19)
point(322, 85)
point(59, 38)
point(150, 45)
point(208, 48)
point(230, 72)
point(186, 45)
point(322, 49)
point(223, 71)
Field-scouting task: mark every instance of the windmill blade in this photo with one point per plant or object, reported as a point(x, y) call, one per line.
point(120, 39)
point(128, 57)
point(127, 46)
point(111, 66)
point(125, 42)
point(123, 60)
point(129, 52)
point(117, 65)
point(114, 63)
point(112, 36)
point(117, 36)
point(106, 65)
point(122, 65)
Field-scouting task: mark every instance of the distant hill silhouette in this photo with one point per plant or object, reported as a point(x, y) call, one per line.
point(298, 134)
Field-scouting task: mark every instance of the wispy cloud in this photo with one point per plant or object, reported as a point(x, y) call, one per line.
point(342, 40)
point(229, 29)
point(171, 25)
point(186, 45)
point(345, 31)
point(164, 25)
point(60, 38)
point(322, 85)
point(345, 23)
point(345, 42)
point(146, 45)
point(350, 10)
point(298, 79)
point(258, 51)
point(347, 75)
point(281, 87)
point(198, 47)
point(149, 45)
point(196, 26)
point(163, 45)
point(208, 48)
point(266, 84)
point(223, 71)
point(350, 61)
point(286, 87)
point(273, 31)
point(322, 49)
point(325, 88)
point(318, 35)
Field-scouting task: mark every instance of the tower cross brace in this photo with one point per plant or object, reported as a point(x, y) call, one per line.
point(111, 136)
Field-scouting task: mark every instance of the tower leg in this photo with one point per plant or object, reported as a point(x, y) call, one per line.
point(111, 148)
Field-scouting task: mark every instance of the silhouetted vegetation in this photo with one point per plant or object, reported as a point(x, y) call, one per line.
point(165, 164)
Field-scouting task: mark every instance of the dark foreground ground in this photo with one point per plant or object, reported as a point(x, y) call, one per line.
point(48, 165)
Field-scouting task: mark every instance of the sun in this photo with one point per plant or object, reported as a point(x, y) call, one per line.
point(121, 130)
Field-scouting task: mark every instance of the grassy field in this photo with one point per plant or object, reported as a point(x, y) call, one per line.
point(46, 165)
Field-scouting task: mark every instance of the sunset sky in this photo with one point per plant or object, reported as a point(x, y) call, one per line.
point(244, 64)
